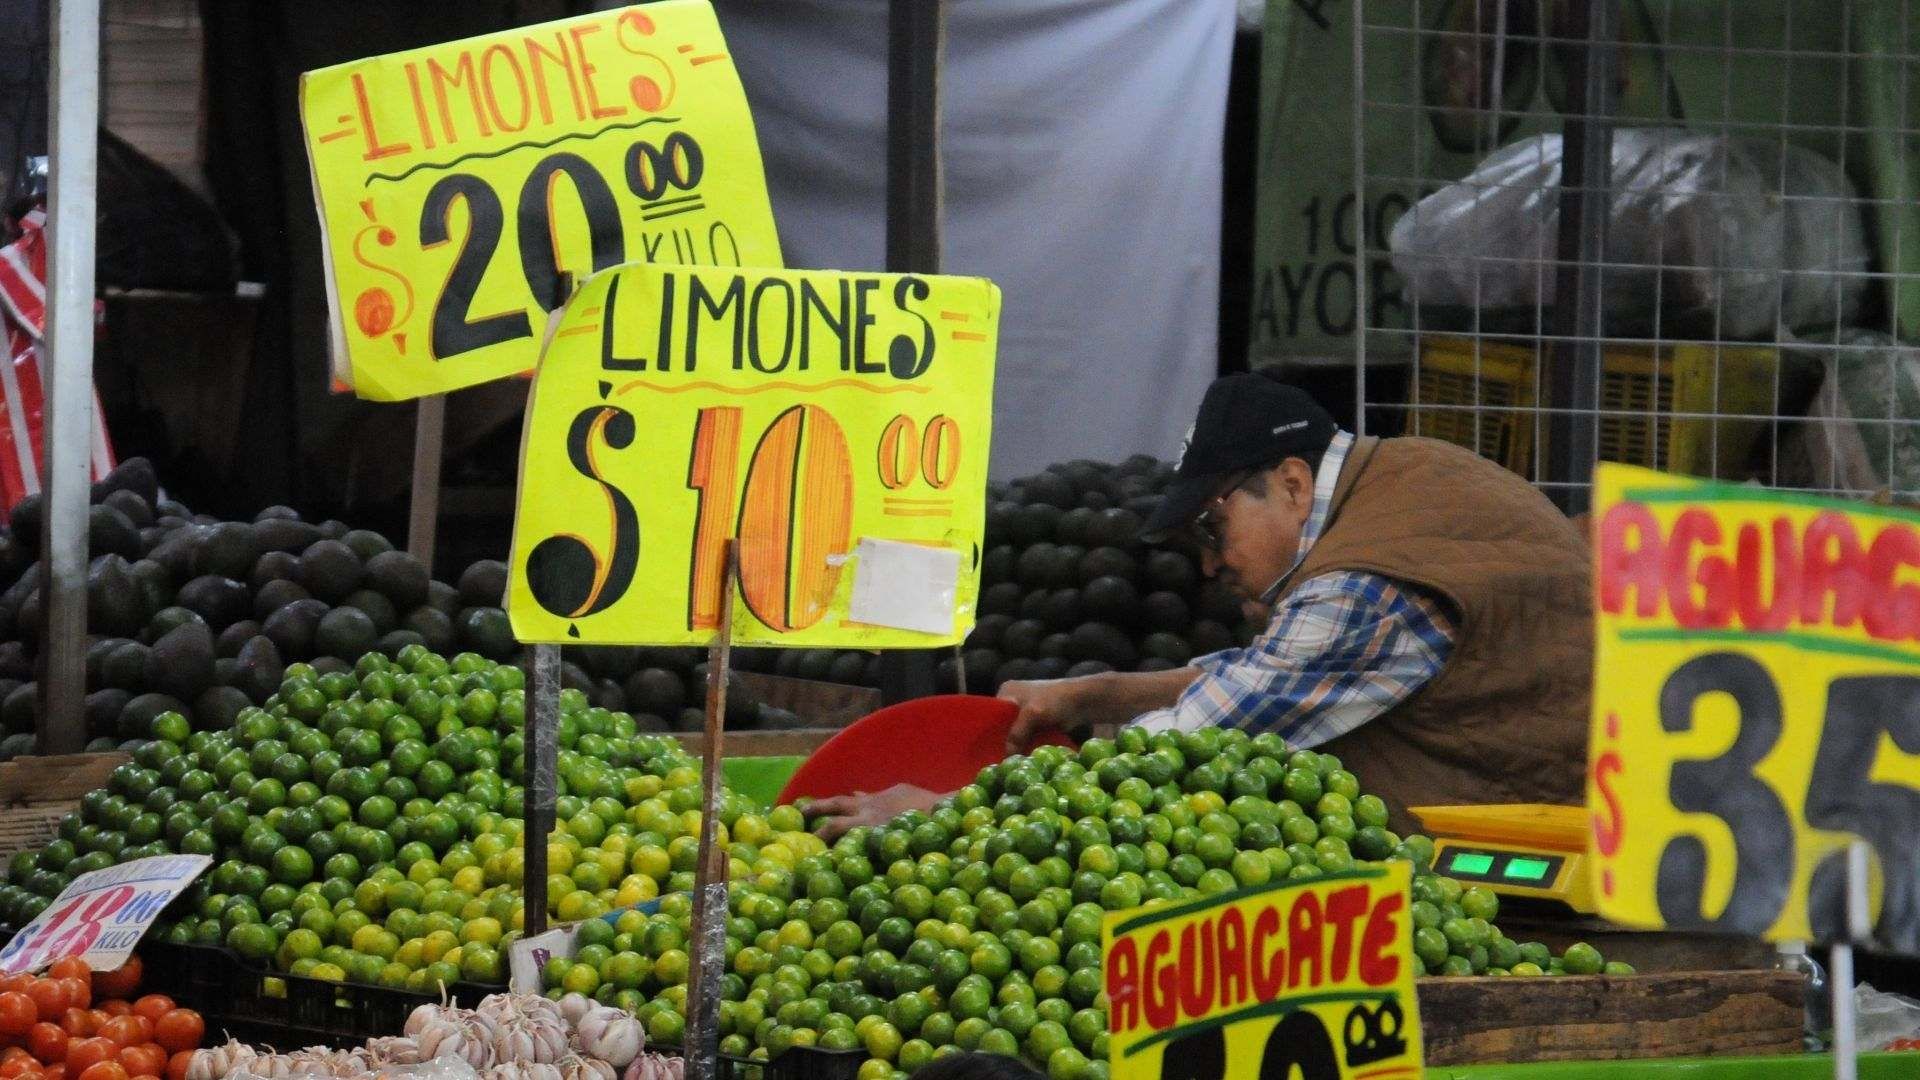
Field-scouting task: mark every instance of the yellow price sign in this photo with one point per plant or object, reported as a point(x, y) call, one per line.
point(1311, 978)
point(456, 184)
point(1756, 707)
point(836, 424)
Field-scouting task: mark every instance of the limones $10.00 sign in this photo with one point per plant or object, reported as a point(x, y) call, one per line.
point(1756, 708)
point(1311, 978)
point(102, 914)
point(455, 184)
point(836, 424)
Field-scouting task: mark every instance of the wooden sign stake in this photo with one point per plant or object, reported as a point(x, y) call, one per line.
point(541, 750)
point(702, 1048)
point(423, 508)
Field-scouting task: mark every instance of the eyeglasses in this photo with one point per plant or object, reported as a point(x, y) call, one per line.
point(1209, 527)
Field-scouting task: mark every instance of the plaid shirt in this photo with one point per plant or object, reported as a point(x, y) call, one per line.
point(1344, 648)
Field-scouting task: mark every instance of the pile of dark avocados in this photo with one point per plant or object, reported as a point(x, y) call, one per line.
point(1067, 587)
point(201, 616)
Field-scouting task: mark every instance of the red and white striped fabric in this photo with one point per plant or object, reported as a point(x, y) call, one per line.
point(23, 301)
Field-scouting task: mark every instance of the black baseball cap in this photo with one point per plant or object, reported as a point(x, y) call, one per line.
point(1246, 421)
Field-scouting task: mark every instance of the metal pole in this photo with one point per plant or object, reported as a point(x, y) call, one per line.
point(67, 366)
point(1846, 1043)
point(702, 1050)
point(915, 35)
point(540, 746)
point(423, 509)
point(1586, 168)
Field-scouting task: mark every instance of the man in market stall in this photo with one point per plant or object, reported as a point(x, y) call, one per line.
point(1428, 614)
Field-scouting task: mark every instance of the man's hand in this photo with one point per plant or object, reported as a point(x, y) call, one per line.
point(1045, 705)
point(844, 812)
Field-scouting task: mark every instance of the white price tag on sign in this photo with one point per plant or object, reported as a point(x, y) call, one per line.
point(102, 915)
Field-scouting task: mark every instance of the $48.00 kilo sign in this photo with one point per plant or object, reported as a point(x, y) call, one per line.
point(835, 424)
point(1310, 978)
point(457, 182)
point(1756, 708)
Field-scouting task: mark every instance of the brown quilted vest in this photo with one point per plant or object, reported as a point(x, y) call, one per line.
point(1506, 719)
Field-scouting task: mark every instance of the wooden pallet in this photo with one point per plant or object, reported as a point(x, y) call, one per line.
point(1610, 1017)
point(36, 792)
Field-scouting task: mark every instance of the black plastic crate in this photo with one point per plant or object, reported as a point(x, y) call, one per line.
point(282, 1010)
point(798, 1063)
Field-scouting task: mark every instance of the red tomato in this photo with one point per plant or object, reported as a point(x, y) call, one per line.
point(82, 1054)
point(178, 1064)
point(55, 1072)
point(71, 967)
point(147, 1059)
point(79, 1023)
point(49, 998)
point(48, 1042)
point(114, 1007)
point(121, 982)
point(18, 1013)
point(128, 1030)
point(19, 1067)
point(79, 992)
point(181, 1029)
point(154, 1006)
point(105, 1070)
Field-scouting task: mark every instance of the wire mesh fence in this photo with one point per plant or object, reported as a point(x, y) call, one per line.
point(1674, 233)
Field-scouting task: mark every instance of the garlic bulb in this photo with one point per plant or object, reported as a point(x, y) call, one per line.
point(612, 1035)
point(574, 1007)
point(656, 1067)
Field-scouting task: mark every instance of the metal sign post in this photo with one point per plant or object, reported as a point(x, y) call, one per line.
point(710, 880)
point(67, 355)
point(541, 735)
point(1846, 1036)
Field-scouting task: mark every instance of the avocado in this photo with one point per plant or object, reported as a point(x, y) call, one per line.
point(485, 630)
point(1170, 571)
point(277, 513)
point(1032, 524)
point(690, 719)
point(333, 530)
point(1050, 667)
point(1111, 600)
point(1061, 609)
point(25, 519)
point(227, 549)
point(400, 578)
point(655, 690)
point(14, 746)
point(275, 595)
point(166, 620)
point(393, 642)
point(181, 661)
point(997, 565)
point(1088, 667)
point(260, 669)
point(1045, 566)
point(292, 627)
point(1000, 515)
point(14, 557)
point(1218, 603)
point(849, 669)
point(285, 535)
point(150, 538)
point(227, 644)
point(649, 724)
point(606, 694)
point(434, 628)
point(345, 632)
point(1001, 599)
point(176, 551)
point(946, 676)
point(366, 543)
point(444, 598)
point(1156, 663)
point(20, 709)
point(330, 665)
point(217, 706)
point(980, 664)
point(156, 585)
point(172, 508)
point(1169, 647)
point(225, 669)
point(330, 571)
point(1100, 641)
point(125, 668)
point(103, 708)
point(987, 630)
point(485, 582)
point(1022, 638)
point(814, 664)
point(135, 509)
point(1106, 562)
point(135, 474)
point(1116, 526)
point(1014, 670)
point(1051, 489)
point(787, 664)
point(1207, 636)
point(274, 566)
point(15, 662)
point(1055, 646)
point(97, 654)
point(28, 624)
point(1165, 611)
point(377, 607)
point(115, 603)
point(1075, 526)
point(221, 601)
point(572, 676)
point(136, 717)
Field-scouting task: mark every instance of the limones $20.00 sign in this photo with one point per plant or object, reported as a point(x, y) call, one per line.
point(1756, 708)
point(456, 183)
point(1310, 978)
point(836, 424)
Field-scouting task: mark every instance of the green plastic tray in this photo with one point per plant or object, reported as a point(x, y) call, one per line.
point(1903, 1066)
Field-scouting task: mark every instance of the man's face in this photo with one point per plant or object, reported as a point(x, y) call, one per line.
point(1250, 536)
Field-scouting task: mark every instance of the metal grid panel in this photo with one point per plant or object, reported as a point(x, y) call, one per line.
point(1744, 268)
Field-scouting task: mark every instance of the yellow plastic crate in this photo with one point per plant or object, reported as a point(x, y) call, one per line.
point(1455, 375)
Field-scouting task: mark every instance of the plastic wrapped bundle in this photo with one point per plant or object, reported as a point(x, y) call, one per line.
point(1862, 434)
point(1724, 238)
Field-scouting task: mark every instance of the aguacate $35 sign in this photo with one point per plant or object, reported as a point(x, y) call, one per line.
point(1309, 978)
point(834, 424)
point(1756, 708)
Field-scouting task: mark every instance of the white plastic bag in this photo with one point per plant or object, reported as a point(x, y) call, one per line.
point(1884, 1017)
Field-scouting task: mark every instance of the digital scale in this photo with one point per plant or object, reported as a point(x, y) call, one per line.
point(1518, 849)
